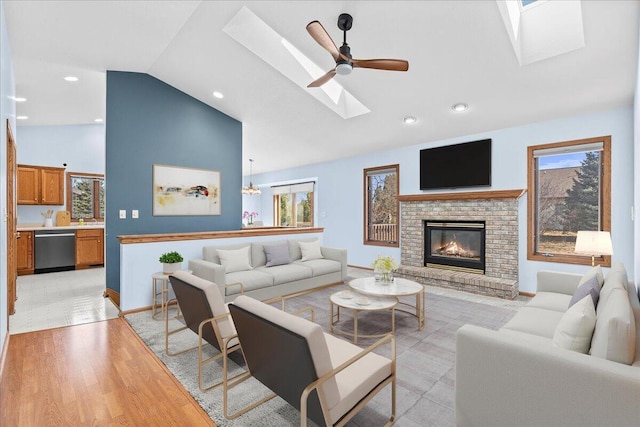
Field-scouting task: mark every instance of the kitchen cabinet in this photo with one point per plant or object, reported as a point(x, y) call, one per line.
point(28, 184)
point(89, 247)
point(40, 185)
point(24, 254)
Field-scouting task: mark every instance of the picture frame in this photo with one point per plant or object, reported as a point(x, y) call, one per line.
point(185, 191)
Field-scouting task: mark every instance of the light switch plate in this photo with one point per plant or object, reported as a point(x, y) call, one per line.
point(123, 214)
point(134, 213)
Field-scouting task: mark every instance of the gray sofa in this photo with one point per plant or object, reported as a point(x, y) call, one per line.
point(522, 375)
point(262, 282)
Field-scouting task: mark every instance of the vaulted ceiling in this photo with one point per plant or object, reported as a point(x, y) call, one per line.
point(458, 51)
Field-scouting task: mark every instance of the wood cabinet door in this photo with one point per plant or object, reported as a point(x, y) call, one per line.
point(28, 184)
point(89, 248)
point(52, 186)
point(24, 253)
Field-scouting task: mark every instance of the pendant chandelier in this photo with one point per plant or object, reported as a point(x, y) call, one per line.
point(250, 190)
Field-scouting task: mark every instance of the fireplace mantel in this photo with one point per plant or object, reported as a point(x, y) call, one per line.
point(498, 194)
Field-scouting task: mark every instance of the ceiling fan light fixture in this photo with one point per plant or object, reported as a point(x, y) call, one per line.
point(344, 68)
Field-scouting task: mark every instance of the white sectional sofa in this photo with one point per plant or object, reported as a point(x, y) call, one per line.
point(532, 372)
point(271, 269)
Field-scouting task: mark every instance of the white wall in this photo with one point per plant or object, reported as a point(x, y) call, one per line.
point(80, 147)
point(636, 176)
point(339, 186)
point(7, 111)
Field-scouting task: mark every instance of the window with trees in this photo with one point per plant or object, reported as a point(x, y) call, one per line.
point(85, 196)
point(381, 207)
point(293, 205)
point(569, 186)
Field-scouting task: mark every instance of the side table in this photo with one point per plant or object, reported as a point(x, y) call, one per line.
point(353, 302)
point(160, 284)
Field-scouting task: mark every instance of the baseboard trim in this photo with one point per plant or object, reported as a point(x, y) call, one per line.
point(135, 310)
point(5, 349)
point(114, 296)
point(360, 267)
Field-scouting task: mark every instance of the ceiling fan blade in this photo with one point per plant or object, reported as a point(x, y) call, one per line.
point(381, 64)
point(323, 38)
point(322, 80)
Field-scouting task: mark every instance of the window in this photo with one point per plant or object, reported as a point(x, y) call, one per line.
point(293, 205)
point(85, 195)
point(381, 206)
point(569, 190)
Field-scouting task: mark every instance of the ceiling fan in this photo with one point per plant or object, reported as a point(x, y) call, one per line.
point(344, 62)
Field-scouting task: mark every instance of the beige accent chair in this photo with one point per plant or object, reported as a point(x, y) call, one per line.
point(203, 310)
point(327, 379)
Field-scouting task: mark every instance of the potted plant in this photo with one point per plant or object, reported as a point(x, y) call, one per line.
point(171, 262)
point(249, 216)
point(383, 268)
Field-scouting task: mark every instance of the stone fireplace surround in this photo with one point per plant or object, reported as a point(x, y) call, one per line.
point(499, 210)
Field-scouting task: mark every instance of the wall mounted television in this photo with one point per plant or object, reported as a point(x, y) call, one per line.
point(456, 166)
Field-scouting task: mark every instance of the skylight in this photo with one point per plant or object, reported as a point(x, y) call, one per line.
point(254, 34)
point(542, 29)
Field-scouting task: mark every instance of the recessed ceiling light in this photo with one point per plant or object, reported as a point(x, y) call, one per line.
point(19, 99)
point(22, 117)
point(71, 78)
point(218, 95)
point(409, 120)
point(98, 120)
point(460, 107)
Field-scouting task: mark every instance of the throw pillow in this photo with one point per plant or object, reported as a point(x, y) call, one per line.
point(614, 337)
point(575, 329)
point(235, 259)
point(277, 254)
point(593, 272)
point(310, 250)
point(589, 287)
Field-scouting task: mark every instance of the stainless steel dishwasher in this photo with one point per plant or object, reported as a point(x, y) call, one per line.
point(55, 250)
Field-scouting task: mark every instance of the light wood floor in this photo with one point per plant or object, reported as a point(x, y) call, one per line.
point(98, 374)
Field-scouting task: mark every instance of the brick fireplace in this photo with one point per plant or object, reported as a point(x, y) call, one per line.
point(496, 210)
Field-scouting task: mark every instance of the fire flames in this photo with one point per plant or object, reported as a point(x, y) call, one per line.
point(453, 249)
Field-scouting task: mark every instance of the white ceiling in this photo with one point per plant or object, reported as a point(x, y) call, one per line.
point(458, 51)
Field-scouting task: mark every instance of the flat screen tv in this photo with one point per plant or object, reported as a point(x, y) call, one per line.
point(456, 166)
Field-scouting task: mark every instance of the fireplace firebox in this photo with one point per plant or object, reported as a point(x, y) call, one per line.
point(455, 245)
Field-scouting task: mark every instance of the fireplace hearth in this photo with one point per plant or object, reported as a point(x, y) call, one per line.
point(455, 245)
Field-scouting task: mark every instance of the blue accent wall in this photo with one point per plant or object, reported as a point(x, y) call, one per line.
point(149, 122)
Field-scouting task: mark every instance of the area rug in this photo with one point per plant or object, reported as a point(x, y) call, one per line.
point(425, 362)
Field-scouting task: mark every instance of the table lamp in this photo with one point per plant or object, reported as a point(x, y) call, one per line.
point(594, 243)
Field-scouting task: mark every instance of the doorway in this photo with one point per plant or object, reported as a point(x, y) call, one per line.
point(61, 298)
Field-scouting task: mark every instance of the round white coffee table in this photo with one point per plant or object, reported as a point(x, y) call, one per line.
point(358, 303)
point(398, 288)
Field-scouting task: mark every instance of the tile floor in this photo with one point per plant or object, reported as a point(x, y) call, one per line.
point(66, 298)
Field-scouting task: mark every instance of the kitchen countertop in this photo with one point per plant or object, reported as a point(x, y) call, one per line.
point(39, 226)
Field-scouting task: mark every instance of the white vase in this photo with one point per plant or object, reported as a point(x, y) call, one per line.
point(48, 222)
point(171, 267)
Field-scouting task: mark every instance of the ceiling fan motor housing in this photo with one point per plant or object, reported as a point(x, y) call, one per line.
point(343, 66)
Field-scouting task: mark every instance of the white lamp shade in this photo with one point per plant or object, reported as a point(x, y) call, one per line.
point(594, 243)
